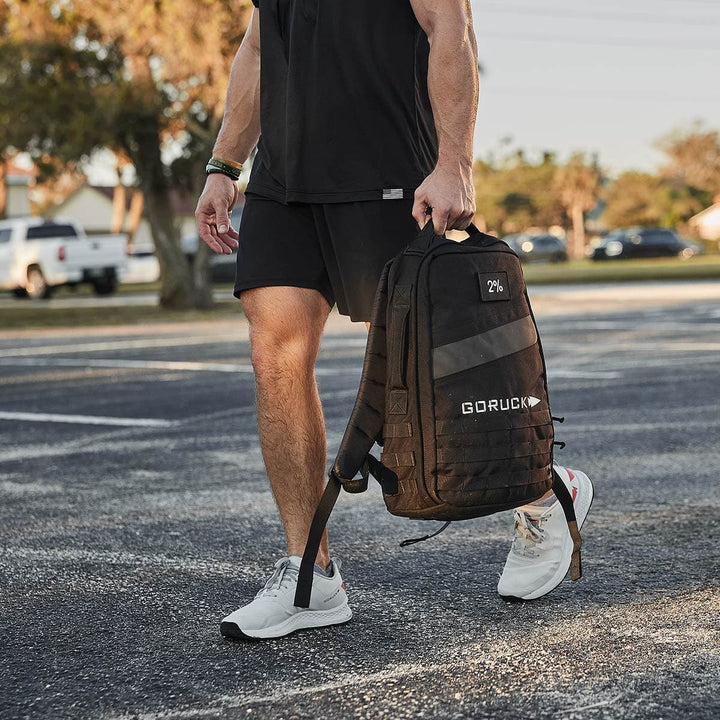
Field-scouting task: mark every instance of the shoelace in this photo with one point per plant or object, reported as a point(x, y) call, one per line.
point(282, 578)
point(528, 531)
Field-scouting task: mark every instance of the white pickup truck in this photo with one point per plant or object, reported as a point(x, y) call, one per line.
point(37, 255)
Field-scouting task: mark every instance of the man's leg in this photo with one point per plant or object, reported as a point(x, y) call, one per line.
point(286, 324)
point(285, 328)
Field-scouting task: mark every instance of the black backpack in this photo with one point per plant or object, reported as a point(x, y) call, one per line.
point(454, 388)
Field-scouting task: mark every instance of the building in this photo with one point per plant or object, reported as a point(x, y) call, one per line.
point(102, 210)
point(15, 193)
point(707, 222)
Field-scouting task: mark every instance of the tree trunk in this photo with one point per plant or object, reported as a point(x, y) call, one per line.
point(175, 279)
point(137, 204)
point(118, 211)
point(202, 284)
point(176, 290)
point(578, 239)
point(3, 188)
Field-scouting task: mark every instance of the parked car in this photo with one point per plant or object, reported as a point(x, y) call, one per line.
point(142, 267)
point(38, 255)
point(638, 243)
point(690, 248)
point(541, 247)
point(222, 267)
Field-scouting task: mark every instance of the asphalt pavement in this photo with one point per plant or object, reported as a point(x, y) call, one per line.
point(134, 514)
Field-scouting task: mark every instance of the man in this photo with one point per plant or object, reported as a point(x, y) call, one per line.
point(367, 113)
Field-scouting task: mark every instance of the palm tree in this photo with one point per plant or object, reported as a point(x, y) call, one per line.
point(578, 183)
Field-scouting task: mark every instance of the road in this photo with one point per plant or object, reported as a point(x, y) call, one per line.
point(134, 514)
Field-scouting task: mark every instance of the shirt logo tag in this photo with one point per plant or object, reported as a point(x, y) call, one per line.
point(392, 193)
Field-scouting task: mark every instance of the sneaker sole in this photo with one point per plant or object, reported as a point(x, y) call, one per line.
point(301, 621)
point(581, 513)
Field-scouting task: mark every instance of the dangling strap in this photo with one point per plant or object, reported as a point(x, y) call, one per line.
point(562, 494)
point(412, 541)
point(317, 528)
point(371, 466)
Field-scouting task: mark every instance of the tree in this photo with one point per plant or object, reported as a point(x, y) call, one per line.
point(636, 198)
point(694, 157)
point(141, 80)
point(578, 183)
point(515, 194)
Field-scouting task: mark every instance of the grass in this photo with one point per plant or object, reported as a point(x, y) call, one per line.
point(33, 316)
point(703, 267)
point(25, 314)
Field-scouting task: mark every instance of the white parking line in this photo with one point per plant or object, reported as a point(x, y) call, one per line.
point(583, 374)
point(60, 349)
point(174, 365)
point(85, 419)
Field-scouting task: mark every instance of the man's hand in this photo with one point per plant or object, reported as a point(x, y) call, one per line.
point(450, 194)
point(213, 214)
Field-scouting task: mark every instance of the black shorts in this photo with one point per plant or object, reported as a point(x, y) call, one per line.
point(338, 249)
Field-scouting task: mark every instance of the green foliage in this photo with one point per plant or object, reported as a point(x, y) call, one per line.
point(56, 102)
point(694, 157)
point(636, 198)
point(515, 194)
point(76, 75)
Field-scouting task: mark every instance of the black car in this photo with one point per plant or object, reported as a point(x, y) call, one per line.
point(638, 243)
point(537, 248)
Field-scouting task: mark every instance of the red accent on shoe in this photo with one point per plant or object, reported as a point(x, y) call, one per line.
point(342, 585)
point(574, 493)
point(570, 474)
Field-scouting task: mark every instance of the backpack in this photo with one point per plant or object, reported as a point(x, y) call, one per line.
point(454, 389)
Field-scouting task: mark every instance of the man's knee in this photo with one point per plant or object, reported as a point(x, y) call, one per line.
point(285, 329)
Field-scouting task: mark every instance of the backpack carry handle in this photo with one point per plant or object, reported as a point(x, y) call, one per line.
point(426, 235)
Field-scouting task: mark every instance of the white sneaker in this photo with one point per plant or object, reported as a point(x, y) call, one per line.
point(272, 613)
point(542, 549)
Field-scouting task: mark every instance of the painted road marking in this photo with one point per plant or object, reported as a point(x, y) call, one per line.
point(116, 345)
point(113, 557)
point(174, 365)
point(583, 374)
point(85, 419)
point(180, 366)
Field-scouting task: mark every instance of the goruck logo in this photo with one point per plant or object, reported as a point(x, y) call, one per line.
point(500, 405)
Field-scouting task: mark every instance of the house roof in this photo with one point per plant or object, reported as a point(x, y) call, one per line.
point(715, 207)
point(181, 201)
point(19, 171)
point(19, 175)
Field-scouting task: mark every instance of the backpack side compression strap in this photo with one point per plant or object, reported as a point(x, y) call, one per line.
point(317, 528)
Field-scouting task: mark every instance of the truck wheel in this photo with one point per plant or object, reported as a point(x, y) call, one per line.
point(36, 286)
point(105, 285)
point(20, 292)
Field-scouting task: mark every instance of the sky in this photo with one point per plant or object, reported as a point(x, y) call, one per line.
point(607, 78)
point(574, 75)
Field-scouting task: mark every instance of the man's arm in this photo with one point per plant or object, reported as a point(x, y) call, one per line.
point(237, 137)
point(453, 89)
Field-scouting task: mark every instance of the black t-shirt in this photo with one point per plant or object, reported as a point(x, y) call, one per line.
point(345, 112)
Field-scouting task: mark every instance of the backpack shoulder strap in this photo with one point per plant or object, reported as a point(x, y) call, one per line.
point(317, 528)
point(363, 429)
point(368, 415)
point(562, 494)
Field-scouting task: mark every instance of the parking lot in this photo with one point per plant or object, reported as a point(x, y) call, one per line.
point(135, 514)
